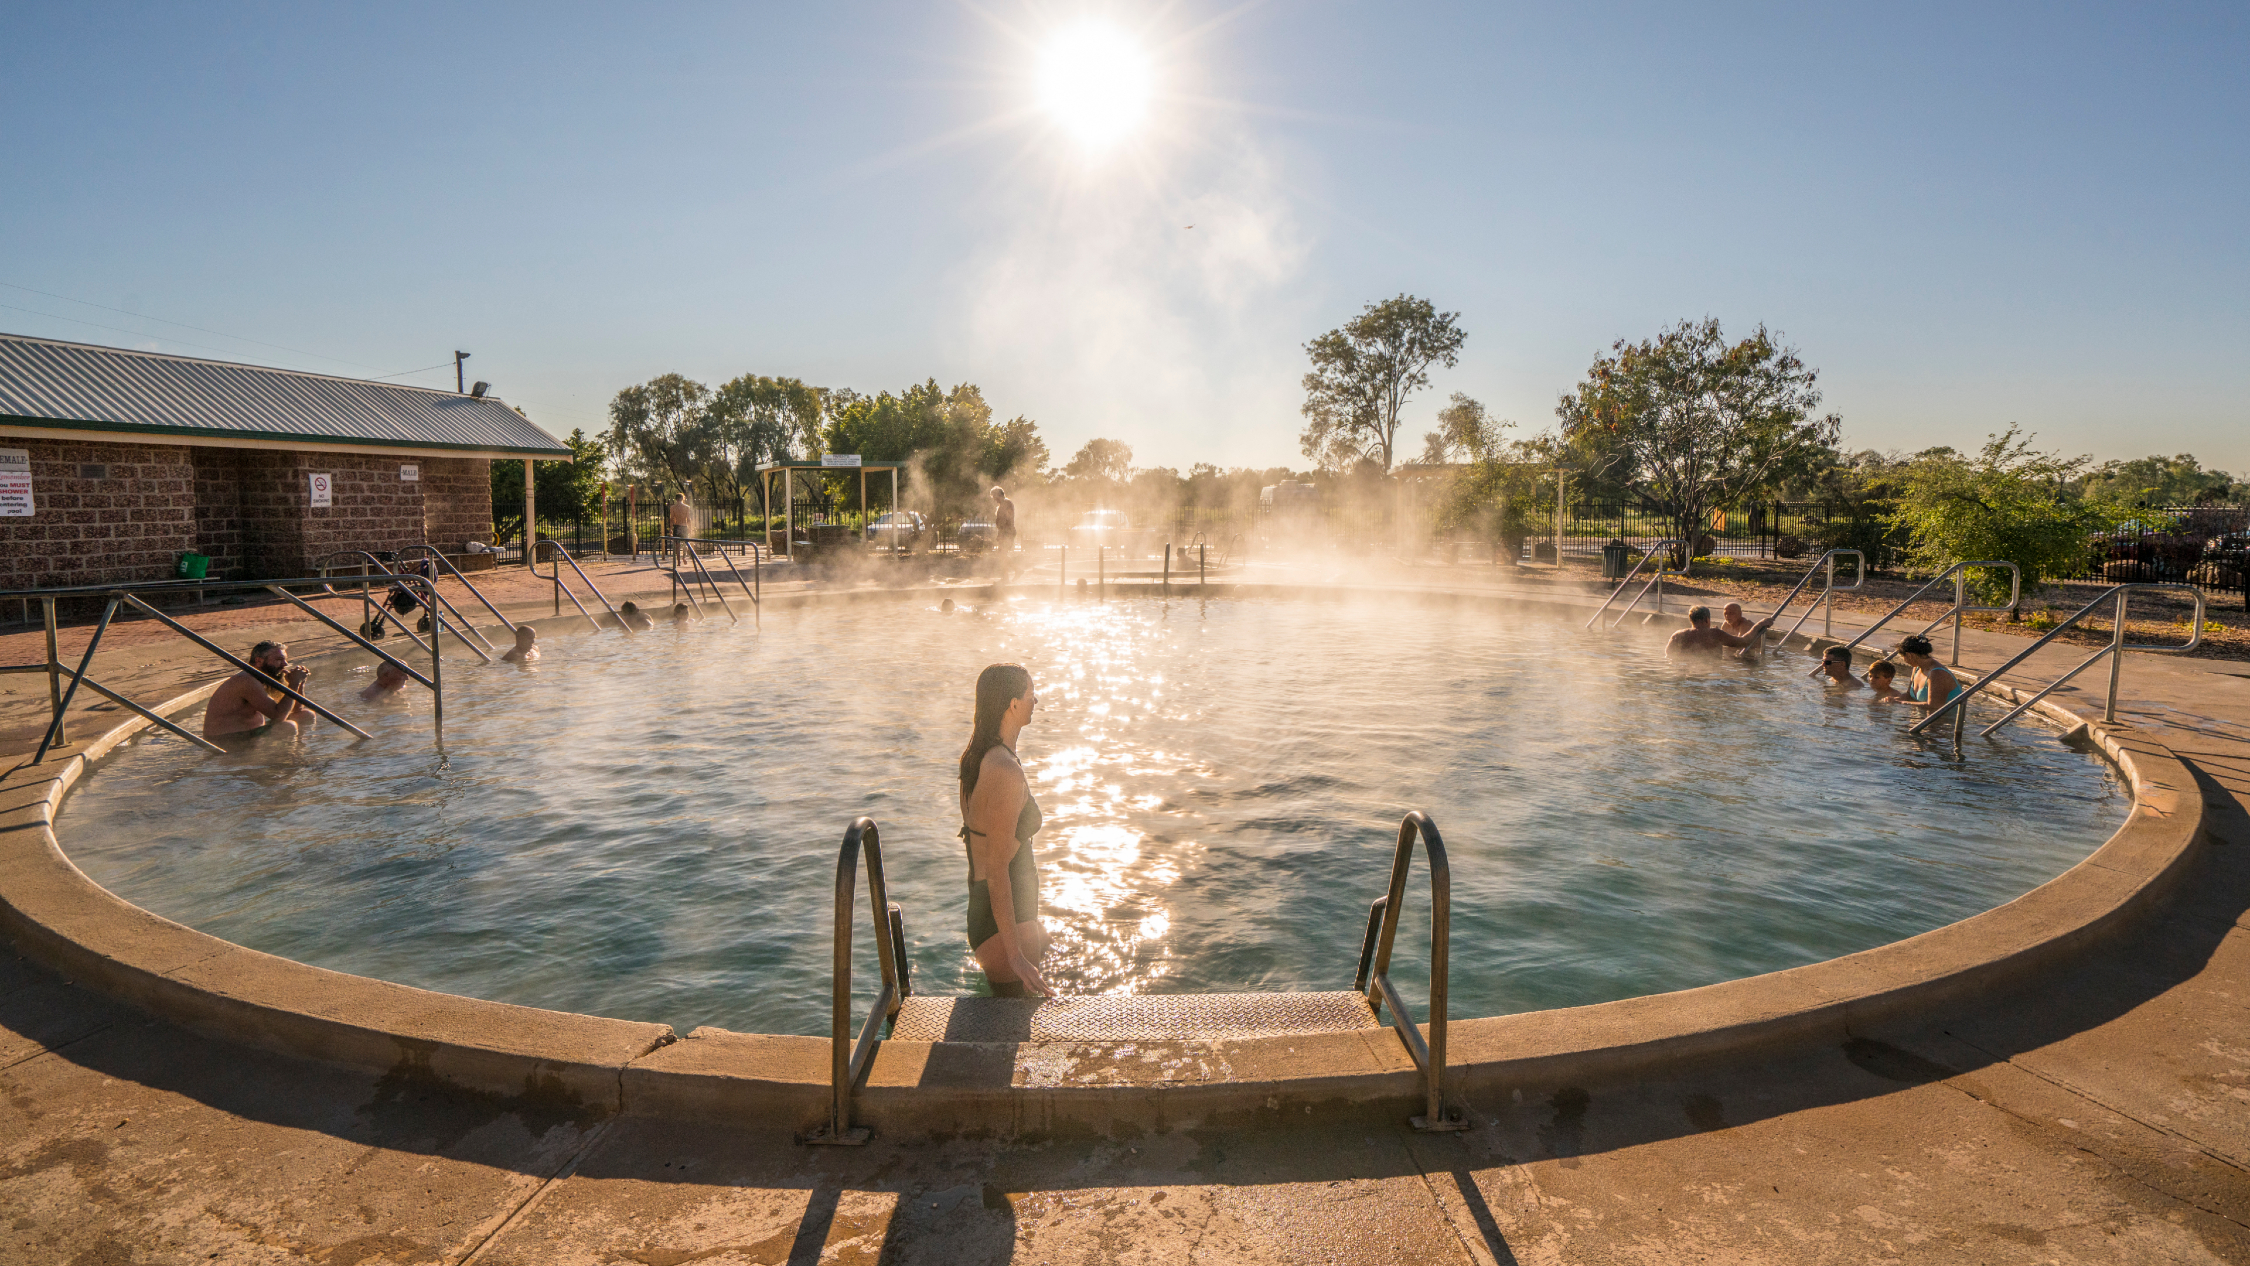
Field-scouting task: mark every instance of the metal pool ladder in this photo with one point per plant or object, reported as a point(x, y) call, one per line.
point(1143, 1018)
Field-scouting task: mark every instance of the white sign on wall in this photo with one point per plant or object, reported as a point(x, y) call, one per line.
point(839, 459)
point(323, 490)
point(410, 473)
point(15, 483)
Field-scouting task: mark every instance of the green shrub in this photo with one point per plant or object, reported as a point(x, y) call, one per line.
point(2007, 503)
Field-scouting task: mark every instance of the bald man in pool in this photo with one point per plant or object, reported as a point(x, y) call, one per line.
point(1733, 621)
point(247, 706)
point(1699, 638)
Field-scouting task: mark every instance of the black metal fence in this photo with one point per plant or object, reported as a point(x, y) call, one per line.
point(2205, 546)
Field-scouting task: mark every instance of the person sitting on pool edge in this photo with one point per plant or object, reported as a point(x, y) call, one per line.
point(1934, 684)
point(998, 820)
point(246, 706)
point(1880, 674)
point(389, 679)
point(527, 646)
point(1733, 621)
point(1700, 637)
point(1836, 666)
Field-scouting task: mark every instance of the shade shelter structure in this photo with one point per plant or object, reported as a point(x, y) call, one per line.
point(790, 474)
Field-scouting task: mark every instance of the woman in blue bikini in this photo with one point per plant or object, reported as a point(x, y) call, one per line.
point(1933, 683)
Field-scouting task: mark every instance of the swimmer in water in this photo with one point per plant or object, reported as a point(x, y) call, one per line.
point(1880, 675)
point(1934, 683)
point(1836, 666)
point(1733, 621)
point(389, 679)
point(681, 613)
point(630, 616)
point(247, 707)
point(1700, 638)
point(946, 607)
point(527, 646)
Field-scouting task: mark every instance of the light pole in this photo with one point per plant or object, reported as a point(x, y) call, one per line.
point(460, 383)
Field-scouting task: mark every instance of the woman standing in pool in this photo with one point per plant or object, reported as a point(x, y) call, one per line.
point(999, 817)
point(1933, 683)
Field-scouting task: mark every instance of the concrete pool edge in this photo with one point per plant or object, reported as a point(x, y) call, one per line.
point(58, 916)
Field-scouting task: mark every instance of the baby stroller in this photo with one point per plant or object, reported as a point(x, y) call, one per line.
point(401, 602)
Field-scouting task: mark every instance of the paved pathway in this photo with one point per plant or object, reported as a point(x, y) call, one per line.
point(2103, 1116)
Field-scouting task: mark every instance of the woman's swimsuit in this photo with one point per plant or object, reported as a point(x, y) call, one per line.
point(1920, 692)
point(1023, 879)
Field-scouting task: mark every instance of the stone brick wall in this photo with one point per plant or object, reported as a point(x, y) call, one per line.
point(250, 510)
point(129, 524)
point(456, 501)
point(372, 508)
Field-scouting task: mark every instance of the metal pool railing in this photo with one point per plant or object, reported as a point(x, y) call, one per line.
point(326, 566)
point(135, 597)
point(1374, 978)
point(1828, 590)
point(848, 1063)
point(1660, 553)
point(1958, 574)
point(2121, 596)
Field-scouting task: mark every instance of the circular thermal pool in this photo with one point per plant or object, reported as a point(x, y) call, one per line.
point(646, 828)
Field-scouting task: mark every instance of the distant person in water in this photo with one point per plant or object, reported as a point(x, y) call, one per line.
point(999, 819)
point(389, 679)
point(946, 607)
point(247, 706)
point(629, 615)
point(1700, 638)
point(682, 613)
point(1880, 676)
point(1934, 683)
point(1836, 666)
point(1732, 620)
point(526, 649)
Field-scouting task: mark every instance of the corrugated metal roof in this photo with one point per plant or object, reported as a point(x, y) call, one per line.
point(47, 383)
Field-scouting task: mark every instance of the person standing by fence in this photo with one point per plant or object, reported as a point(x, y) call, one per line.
point(679, 520)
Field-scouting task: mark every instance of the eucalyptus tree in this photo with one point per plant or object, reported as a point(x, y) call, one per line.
point(1694, 423)
point(1364, 372)
point(751, 421)
point(657, 431)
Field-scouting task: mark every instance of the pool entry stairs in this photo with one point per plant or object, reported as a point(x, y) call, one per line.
point(911, 1017)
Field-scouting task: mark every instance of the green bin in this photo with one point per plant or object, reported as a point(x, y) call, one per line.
point(193, 566)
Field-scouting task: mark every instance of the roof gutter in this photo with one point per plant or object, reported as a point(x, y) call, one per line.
point(198, 437)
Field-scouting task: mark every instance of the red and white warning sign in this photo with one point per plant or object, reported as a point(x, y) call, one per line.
point(15, 483)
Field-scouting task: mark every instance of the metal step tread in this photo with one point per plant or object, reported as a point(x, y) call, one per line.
point(1130, 1018)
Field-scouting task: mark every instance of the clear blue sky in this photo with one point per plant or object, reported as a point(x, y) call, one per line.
point(1965, 218)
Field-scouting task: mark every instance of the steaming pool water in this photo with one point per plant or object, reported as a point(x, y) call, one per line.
point(646, 828)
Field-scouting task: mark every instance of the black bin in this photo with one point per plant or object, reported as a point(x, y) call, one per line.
point(1614, 561)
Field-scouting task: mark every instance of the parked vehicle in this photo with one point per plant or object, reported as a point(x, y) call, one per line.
point(976, 536)
point(1102, 527)
point(898, 530)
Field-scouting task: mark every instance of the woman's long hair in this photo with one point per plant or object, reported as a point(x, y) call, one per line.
point(997, 687)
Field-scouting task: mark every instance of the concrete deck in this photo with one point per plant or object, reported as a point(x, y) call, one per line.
point(2097, 1114)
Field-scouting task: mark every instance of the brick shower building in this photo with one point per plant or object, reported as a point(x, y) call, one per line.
point(135, 458)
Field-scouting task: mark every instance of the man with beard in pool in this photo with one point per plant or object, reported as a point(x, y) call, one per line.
point(246, 705)
point(1700, 638)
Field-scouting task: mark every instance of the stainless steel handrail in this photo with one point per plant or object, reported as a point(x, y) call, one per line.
point(1374, 978)
point(326, 563)
point(130, 595)
point(1663, 559)
point(2115, 650)
point(1957, 573)
point(466, 583)
point(1828, 591)
point(564, 555)
point(848, 1063)
point(565, 591)
point(712, 581)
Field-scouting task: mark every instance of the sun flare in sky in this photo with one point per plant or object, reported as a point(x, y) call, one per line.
point(1095, 82)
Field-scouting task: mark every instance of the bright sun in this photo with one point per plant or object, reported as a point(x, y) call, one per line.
point(1096, 82)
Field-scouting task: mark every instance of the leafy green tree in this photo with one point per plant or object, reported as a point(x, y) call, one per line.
point(1363, 373)
point(1102, 461)
point(1465, 433)
point(956, 450)
point(657, 432)
point(2158, 480)
point(2008, 502)
point(566, 491)
point(751, 421)
point(1694, 423)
